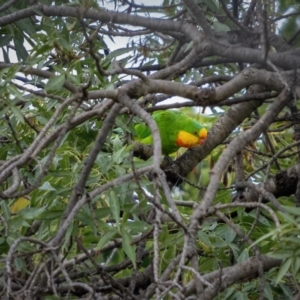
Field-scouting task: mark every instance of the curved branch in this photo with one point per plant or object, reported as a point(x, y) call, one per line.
point(102, 15)
point(282, 60)
point(222, 279)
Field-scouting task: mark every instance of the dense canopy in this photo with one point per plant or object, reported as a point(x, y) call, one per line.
point(87, 212)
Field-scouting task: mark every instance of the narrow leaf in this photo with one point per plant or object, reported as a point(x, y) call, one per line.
point(55, 82)
point(283, 269)
point(114, 205)
point(107, 237)
point(128, 248)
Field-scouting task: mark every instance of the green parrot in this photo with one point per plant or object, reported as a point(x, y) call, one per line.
point(176, 130)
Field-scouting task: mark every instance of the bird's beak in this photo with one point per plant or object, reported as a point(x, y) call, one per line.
point(202, 135)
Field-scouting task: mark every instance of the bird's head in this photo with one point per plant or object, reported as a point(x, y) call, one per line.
point(192, 138)
point(202, 135)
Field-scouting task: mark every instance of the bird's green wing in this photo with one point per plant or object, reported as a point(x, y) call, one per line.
point(143, 134)
point(168, 124)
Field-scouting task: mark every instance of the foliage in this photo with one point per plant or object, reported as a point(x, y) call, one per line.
point(86, 211)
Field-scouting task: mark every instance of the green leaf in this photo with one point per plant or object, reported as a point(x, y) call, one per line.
point(244, 256)
point(283, 269)
point(19, 263)
point(229, 292)
point(211, 5)
point(128, 248)
point(203, 237)
point(272, 233)
point(102, 212)
point(292, 210)
point(286, 290)
point(235, 249)
point(118, 52)
point(17, 113)
point(136, 226)
point(117, 144)
point(21, 50)
point(114, 205)
point(68, 234)
point(15, 223)
point(43, 49)
point(281, 254)
point(268, 291)
point(50, 215)
point(11, 74)
point(287, 218)
point(293, 240)
point(85, 218)
point(13, 235)
point(55, 82)
point(218, 26)
point(5, 210)
point(73, 79)
point(223, 196)
point(47, 187)
point(26, 25)
point(6, 56)
point(5, 40)
point(31, 213)
point(189, 46)
point(296, 266)
point(107, 237)
point(226, 232)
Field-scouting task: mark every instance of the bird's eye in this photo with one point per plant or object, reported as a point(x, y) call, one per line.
point(195, 132)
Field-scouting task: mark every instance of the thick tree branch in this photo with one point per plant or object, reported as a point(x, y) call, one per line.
point(231, 275)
